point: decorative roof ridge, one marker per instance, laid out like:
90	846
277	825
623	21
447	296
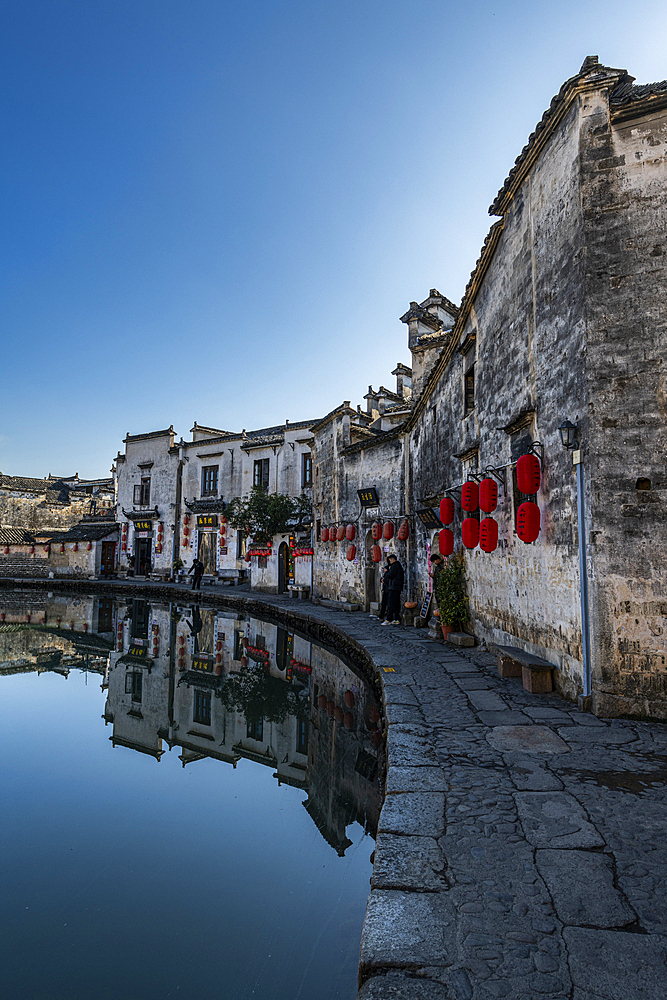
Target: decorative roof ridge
591	76
483	261
168	432
341	410
379	437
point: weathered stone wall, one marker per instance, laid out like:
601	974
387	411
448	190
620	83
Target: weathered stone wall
526	330
341	470
623	194
32	513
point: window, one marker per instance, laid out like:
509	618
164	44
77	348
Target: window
209	480
306	471
255	730
469	389
238	644
302	736
202	708
262	562
142	492
133	684
261	473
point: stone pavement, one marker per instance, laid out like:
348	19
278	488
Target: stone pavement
522	845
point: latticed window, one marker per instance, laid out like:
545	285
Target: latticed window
202	708
142	492
306	471
209	481
261	473
469	390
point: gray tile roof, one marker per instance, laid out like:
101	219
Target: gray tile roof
16	536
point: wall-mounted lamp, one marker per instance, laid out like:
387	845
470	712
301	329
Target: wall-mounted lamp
568	435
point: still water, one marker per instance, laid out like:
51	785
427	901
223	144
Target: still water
188	804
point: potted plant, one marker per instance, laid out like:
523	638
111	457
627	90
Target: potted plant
451	594
178	568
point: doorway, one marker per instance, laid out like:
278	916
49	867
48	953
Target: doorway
108	560
283	567
371	576
142	556
206	551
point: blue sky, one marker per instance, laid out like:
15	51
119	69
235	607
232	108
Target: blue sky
217	211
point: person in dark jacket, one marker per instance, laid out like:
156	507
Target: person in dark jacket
394	584
198	569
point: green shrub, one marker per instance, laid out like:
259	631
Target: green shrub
451	592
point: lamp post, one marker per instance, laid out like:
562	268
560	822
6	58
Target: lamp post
568	432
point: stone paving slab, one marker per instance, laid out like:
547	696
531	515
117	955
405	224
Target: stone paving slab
413	813
582	887
415	779
395	986
411	863
614	965
555	819
406	929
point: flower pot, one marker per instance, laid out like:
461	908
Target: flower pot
446	629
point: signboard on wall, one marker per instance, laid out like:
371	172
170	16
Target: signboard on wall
429	518
203	665
368	497
205	521
142	528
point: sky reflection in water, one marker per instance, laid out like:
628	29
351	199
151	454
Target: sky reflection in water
125	876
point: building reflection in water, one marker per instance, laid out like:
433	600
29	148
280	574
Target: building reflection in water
209	683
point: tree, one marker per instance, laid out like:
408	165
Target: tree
264	515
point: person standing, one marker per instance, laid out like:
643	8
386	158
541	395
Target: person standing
394	584
198	569
384	592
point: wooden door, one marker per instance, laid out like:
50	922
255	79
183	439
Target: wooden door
108	561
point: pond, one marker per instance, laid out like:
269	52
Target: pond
189	803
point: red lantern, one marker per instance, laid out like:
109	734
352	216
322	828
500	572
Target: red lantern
447	510
340	532
376	531
218	645
332	533
446	541
186	519
376	553
322	701
488	534
338	713
528	521
218	657
469	496
6	550
186	531
90	545
32	548
488	495
324	535
330	708
348	698
350	532
470	532
528	474
376	738
404	530
351	552
388	530
247	557
348	720
244	661
62	547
